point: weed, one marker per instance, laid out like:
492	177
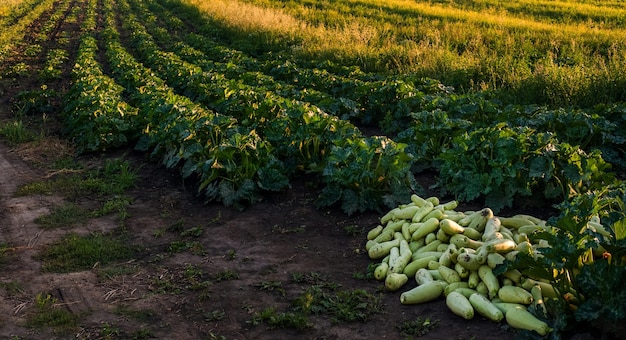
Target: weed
231	255
226	275
193	231
117	203
16	132
75	253
416	327
368	274
35	188
281	320
282	230
272	286
159	232
215	315
109	272
353	230
339	305
194	247
49	314
12	288
66	215
109	332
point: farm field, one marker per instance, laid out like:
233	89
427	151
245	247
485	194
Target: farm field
217	170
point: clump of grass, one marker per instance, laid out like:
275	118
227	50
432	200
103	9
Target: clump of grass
75	253
16	132
48	313
275	319
66	215
416	327
142	315
115	177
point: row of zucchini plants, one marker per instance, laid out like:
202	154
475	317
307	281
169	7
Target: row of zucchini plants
480	147
96	117
258	143
13	26
527	151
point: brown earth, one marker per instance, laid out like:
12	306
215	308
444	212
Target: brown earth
265	245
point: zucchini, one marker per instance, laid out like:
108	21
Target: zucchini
372	234
425	228
442	236
449	275
470	261
450	227
462	241
520	318
472	233
422	212
380	273
486	308
460	305
466	291
395	281
422	276
514	294
490	280
418	201
495	259
473	279
423	293
491	227
413	266
500	245
451	287
406	213
381	250
516	222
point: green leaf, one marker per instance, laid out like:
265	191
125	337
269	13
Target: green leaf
619	228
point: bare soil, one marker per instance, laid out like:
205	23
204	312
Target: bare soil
270	242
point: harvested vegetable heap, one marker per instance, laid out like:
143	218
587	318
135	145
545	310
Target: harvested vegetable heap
453	254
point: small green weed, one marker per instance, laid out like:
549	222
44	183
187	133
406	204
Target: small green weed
215	315
16	132
75	253
66	215
339	305
353	230
194	247
416	327
12	288
110	272
275	320
142	315
49	314
193	231
272	286
109	332
226	275
116	204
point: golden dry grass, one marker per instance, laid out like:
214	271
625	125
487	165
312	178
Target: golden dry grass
7	5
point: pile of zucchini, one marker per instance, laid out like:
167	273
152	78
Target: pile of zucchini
452	254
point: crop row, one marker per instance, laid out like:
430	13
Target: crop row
13	27
443	126
297	131
249	125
